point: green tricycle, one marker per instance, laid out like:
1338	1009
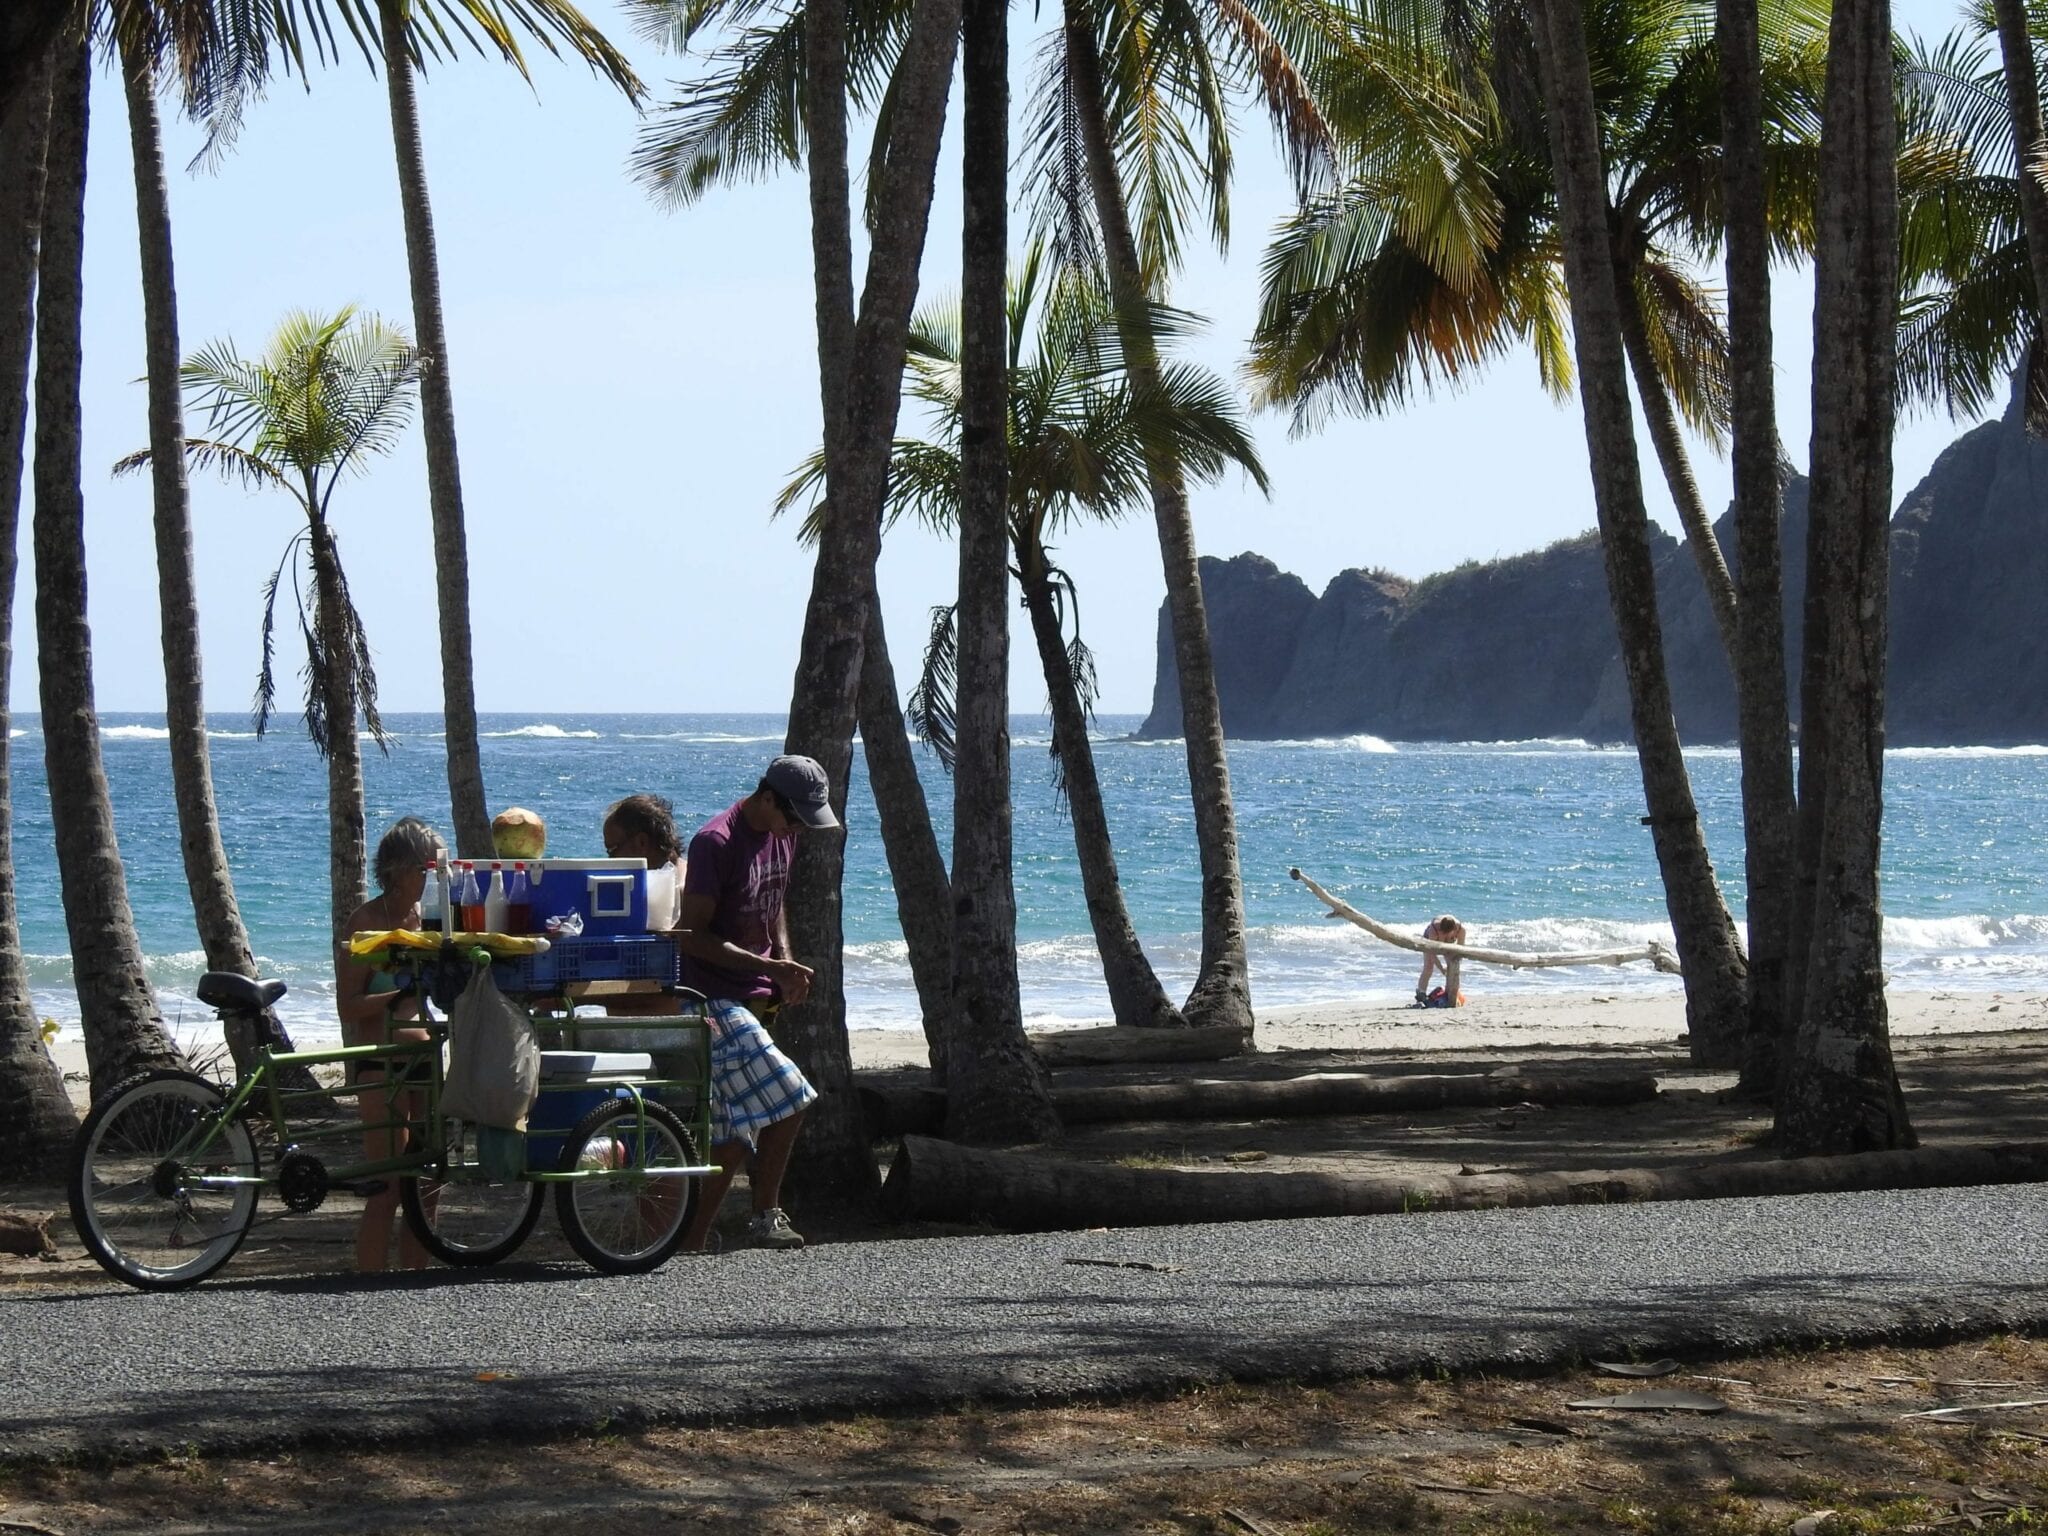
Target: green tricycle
167	1168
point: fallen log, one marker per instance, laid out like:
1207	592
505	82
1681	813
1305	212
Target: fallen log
1114	1044
900	1111
1030	1191
1659	957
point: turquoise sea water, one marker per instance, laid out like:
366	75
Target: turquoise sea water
1535	845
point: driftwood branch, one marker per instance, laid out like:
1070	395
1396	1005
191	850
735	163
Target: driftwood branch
898	1111
1657	954
1032	1191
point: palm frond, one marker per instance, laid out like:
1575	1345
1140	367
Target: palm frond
932	712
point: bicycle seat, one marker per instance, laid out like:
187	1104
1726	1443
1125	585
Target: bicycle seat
227	990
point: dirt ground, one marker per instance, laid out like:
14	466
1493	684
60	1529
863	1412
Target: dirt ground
1960	1088
1820	1444
1799	1434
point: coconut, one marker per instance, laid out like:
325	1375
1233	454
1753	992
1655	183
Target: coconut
518	833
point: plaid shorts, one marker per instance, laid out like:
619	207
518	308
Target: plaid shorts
753	1084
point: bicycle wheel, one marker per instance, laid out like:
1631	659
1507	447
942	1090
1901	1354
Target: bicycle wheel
625	1220
463	1216
136	1195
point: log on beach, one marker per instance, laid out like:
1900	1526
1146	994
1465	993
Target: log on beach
1031	1191
898	1111
1115	1045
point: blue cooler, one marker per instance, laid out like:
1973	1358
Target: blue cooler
610	894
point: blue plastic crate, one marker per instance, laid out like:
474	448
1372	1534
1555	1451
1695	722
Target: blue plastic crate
605	957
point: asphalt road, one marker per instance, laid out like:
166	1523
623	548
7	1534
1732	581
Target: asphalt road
257	1365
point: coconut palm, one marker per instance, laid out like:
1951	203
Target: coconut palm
124	1032
995	1085
1841	1088
138	37
1354	315
1131	141
2023	109
860	368
746	116
36	1118
411	32
329	393
1079	438
1715	983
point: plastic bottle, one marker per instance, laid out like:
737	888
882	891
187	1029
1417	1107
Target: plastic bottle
518	902
471	896
430	899
495	902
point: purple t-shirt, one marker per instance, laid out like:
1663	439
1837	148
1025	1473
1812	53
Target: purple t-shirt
745	873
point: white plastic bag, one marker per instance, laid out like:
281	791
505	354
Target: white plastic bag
493	1058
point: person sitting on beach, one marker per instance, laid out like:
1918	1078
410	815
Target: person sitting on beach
371	1008
735	945
1443	930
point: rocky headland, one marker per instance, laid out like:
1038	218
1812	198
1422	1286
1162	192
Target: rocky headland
1524	647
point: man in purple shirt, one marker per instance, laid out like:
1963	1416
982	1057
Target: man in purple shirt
735	947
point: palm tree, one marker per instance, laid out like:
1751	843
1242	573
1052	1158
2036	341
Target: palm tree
860	371
1355	313
1769	805
1841	1088
746	117
36	1118
411	32
1079	438
1716	1001
329	393
124	1033
2023	104
222	935
995	1085
1132	128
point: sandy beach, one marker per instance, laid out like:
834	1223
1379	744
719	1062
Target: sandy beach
1487	1021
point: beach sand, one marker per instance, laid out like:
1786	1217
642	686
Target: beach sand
1488	1021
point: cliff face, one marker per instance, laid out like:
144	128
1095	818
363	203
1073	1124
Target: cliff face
1524	647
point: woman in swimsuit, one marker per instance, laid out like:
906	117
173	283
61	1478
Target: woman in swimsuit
371	1007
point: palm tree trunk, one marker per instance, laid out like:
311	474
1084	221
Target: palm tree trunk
995	1087
1135	996
346	856
1705	934
1222	990
917	869
860	366
36	1118
472	818
1841	1089
124	1033
1769	814
221	934
27	28
2023	100
1672	458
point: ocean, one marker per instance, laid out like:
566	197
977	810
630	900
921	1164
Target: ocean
1535	845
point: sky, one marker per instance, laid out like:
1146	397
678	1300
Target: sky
633	385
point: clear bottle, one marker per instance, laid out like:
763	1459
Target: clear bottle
494	901
518	902
471	896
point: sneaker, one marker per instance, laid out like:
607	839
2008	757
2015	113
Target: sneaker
771	1229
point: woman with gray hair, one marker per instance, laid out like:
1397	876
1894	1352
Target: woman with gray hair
372	1009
